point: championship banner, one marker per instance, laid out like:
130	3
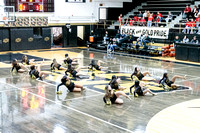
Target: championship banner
153	32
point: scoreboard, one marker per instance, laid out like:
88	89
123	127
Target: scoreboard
30	6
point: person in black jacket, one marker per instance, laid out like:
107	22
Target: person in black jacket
170	83
139	90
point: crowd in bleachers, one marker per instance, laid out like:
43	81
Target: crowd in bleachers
145	19
151	19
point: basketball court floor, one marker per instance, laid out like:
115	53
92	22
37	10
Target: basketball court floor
29	105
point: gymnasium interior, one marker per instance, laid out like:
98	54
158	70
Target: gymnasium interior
108	42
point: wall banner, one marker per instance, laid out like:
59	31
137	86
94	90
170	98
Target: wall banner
153	32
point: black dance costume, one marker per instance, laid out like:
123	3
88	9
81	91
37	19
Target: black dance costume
139	75
70	85
16	67
53	66
112	99
167	81
34	73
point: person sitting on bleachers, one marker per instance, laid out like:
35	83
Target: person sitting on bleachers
196	14
198	23
150	20
194	11
142	22
160	16
140	39
106	38
146	39
110	45
136	19
185	39
187	11
131	22
140	15
187	27
192	26
176	40
127	21
123	35
158	20
169	18
194	40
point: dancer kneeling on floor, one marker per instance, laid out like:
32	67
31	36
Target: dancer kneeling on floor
139	90
114	83
20	68
72	61
74	72
141	76
97	65
70	85
55	64
165	80
37	73
113	97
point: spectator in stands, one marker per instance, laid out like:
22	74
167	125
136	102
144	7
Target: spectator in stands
150	19
169	18
142	22
194	11
120	19
140	15
187	11
158	19
192	26
187	27
118	36
146	39
106	37
176	40
140	39
123	35
145	15
198	23
131	22
185	39
196	14
194	40
110	45
127	21
199	8
160	16
136	19
148	14
130	37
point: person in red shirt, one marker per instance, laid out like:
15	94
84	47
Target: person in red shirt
150	19
197	23
160	16
136	19
131	22
120	19
142	21
187	27
187	11
192	26
158	20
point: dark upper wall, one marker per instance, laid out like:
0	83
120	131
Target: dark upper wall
113	13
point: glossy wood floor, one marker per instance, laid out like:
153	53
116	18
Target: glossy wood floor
28	105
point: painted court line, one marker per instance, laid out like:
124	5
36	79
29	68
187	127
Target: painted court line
78	111
82	97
